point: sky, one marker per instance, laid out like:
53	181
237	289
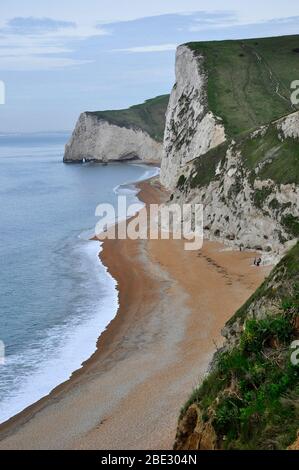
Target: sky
61	57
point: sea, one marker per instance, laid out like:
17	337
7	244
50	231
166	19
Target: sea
56	297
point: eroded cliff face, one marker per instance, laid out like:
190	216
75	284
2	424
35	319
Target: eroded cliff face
244	170
194	432
98	140
242	208
249	199
191	128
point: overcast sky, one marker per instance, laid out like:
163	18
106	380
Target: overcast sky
61	57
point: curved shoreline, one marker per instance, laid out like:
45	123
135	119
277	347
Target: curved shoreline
99	319
113	329
36	405
146	363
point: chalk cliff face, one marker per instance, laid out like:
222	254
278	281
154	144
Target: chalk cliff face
95	139
249	196
244	170
243	206
117	135
191	128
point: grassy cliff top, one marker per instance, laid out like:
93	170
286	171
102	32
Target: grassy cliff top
148	116
249	80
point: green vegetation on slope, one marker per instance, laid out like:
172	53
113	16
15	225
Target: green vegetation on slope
266	156
249	80
148	116
205	166
278	159
260	196
291	224
251	397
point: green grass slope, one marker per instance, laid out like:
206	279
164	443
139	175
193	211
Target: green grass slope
265	154
249	80
278	159
148	116
251	397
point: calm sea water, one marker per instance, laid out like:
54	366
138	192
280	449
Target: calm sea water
56	297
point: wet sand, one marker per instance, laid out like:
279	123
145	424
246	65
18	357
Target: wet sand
173	304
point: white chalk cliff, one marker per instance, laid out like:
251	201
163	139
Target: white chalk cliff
247	201
241	207
98	140
191	128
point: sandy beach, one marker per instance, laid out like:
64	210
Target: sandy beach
173	305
